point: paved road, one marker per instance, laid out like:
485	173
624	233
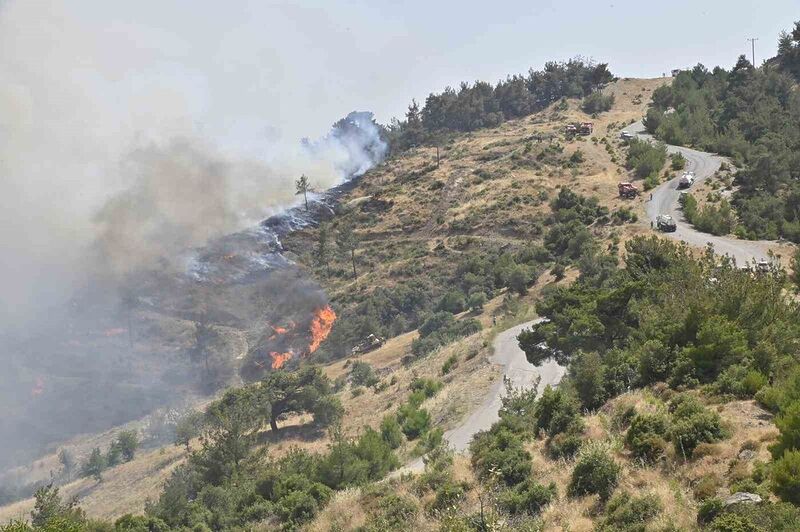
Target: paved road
665	201
516	367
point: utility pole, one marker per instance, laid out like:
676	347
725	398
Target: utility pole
753	46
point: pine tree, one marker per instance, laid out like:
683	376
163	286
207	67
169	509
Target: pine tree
302	186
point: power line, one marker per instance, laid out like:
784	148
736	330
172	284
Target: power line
753	45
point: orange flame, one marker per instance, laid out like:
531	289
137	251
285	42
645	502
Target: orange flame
279	359
116	331
38	388
321	326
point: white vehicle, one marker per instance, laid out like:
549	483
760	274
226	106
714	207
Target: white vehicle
626	135
686	180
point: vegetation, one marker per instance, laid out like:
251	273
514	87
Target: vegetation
752	115
646	160
717	220
481	105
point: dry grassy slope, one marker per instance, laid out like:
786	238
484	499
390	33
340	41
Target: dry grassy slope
500	208
672	482
487	188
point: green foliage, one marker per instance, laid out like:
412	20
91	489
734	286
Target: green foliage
528	497
449	364
751	115
646	436
730	522
362	374
677	161
94	466
645	159
305	390
500	452
597	102
555	411
391	432
479	105
595	473
476	301
428	387
786	476
693	424
714	219
626	513
788	422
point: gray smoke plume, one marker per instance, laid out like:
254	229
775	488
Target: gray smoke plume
108	168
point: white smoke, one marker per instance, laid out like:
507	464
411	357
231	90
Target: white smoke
104	145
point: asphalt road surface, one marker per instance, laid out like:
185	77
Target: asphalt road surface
665	201
516	367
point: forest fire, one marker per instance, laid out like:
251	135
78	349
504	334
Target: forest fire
279	359
321	326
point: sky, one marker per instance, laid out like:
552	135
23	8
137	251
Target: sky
246	70
85	82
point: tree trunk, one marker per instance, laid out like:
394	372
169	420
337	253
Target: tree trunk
273	424
353	258
305	197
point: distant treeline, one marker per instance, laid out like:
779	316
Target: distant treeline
481	104
753	116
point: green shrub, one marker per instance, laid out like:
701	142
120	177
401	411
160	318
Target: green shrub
597	102
624	512
693	424
677	161
528	497
645	436
502	452
448	494
594	473
786	476
788	422
730	522
709	510
391	432
555	411
646	159
707	487
566	444
449	364
413	421
428	387
362	374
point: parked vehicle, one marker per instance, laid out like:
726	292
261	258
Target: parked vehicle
686	180
369	343
627	190
625	135
665	223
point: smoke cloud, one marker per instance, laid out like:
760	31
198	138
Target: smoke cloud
113	153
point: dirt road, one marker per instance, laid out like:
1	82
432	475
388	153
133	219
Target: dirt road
516	367
665	201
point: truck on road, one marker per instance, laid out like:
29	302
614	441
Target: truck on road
627	190
686	180
665	223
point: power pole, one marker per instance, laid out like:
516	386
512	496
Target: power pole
753	46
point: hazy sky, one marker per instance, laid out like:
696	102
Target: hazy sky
246	68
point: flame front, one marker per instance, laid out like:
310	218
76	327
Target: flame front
279	359
321	326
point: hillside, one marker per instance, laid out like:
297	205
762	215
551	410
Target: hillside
511	221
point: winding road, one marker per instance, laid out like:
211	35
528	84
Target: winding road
522	374
665	201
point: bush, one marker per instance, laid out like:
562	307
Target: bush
391	432
528	497
413	421
694	424
645	436
428	387
646	159
555	411
476	301
788	422
730	522
625	512
594	473
500	450
597	102
449	364
677	161
786	477
707	487
362	374
566	444
709	510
